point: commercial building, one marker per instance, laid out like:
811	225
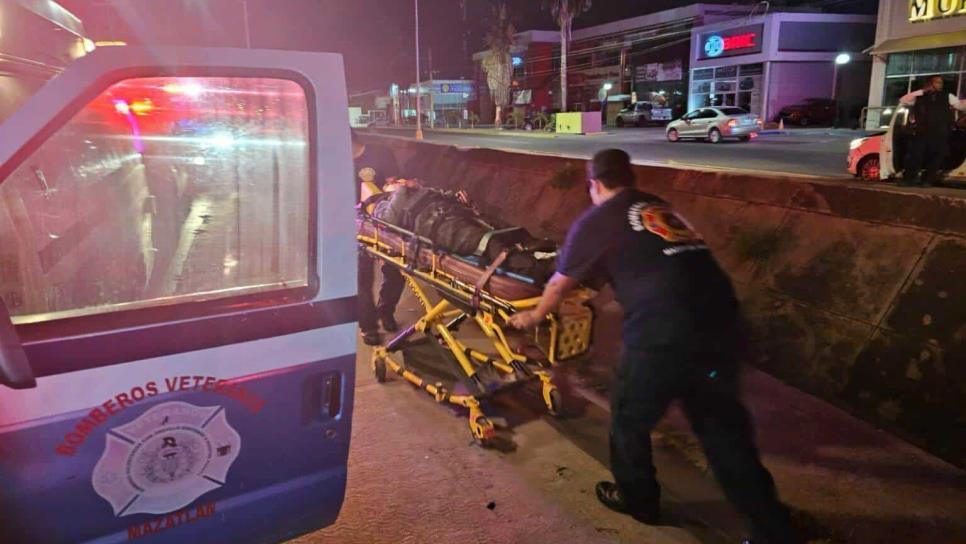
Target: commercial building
765	63
914	39
443	101
647	56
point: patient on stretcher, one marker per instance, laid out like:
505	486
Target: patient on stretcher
457	228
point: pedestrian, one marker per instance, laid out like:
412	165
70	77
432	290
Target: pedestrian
374	166
680	338
931	119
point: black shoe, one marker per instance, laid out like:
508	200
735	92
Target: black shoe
371	338
609	494
389	324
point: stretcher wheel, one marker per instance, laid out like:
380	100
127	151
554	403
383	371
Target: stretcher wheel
555	404
483	431
380	369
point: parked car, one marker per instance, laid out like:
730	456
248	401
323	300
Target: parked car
714	125
643	113
865	157
880	157
812	111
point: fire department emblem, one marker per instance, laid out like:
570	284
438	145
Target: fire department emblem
165	459
662	221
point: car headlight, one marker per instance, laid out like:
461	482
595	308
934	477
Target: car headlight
856	143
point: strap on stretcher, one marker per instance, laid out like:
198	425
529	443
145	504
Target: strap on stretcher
485	241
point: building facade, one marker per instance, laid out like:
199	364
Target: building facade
646	56
914	39
765	63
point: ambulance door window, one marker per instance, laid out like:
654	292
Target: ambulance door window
161	191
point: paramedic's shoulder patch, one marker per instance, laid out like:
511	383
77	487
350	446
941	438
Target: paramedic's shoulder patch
661	220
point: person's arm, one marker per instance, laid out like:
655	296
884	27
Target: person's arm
578	258
910	98
553	294
956	103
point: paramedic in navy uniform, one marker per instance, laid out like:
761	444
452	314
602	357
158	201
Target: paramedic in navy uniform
375	164
680	337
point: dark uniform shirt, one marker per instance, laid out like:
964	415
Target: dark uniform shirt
375	165
670	287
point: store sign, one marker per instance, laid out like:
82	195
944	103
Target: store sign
927	10
745	40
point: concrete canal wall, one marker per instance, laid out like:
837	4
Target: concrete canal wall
856	294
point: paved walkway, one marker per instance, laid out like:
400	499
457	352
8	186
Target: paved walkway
415	477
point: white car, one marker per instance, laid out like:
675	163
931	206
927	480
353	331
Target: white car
865	157
643	113
880	157
714	125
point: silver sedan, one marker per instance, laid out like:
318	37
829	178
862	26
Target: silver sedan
715	124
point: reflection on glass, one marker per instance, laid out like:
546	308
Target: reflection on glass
160	190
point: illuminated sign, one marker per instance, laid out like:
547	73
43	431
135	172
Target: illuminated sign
516	61
715	45
927	10
744	40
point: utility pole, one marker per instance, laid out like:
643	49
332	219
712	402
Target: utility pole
432	100
419	108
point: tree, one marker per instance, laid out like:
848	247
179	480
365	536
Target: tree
497	63
564	12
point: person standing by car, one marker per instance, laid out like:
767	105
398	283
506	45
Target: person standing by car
931	122
680	338
374	166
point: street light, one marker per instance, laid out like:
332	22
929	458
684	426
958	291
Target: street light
840	60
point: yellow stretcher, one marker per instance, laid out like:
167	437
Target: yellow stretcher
467	294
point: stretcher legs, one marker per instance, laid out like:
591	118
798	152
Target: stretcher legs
439	323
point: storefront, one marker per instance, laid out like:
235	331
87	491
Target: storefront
444	102
915	39
765	63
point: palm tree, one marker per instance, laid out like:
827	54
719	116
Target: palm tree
564	12
498	64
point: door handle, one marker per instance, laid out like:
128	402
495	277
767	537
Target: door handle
15	371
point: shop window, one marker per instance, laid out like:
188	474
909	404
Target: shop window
899	64
752	69
726	72
744	101
936	61
703	74
895	87
701	87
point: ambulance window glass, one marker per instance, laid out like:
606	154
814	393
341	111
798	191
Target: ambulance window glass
160	191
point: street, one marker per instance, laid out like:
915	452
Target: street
814	152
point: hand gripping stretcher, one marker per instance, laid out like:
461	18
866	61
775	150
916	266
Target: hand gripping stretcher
485	296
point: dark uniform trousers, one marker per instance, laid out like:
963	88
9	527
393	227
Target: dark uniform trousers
704	377
389	293
926	152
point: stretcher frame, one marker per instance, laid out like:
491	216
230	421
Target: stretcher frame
462	302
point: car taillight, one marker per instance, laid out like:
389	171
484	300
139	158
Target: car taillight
732	123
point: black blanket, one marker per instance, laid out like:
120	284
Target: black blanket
459	229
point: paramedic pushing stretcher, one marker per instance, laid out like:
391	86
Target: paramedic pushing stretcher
680	335
373	166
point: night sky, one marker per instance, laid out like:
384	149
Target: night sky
376	36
